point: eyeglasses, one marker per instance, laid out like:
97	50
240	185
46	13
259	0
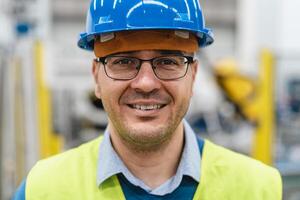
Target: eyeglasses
170	67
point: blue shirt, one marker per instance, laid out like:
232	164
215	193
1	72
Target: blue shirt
110	164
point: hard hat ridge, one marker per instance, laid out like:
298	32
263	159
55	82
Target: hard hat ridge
113	16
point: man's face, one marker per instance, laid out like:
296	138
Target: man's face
145	111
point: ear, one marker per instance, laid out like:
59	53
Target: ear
95	71
194	68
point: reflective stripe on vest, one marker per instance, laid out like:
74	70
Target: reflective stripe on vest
224	175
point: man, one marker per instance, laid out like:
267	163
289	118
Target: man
144	73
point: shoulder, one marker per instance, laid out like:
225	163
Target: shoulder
225	157
67	166
85	151
222	157
70	175
239	169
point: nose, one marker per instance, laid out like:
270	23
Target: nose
146	81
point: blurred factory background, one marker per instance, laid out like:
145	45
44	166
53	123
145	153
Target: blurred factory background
247	93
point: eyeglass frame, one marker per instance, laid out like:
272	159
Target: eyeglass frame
190	60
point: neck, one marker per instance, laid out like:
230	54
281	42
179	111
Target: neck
152	167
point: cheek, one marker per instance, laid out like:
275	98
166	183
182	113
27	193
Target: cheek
187	87
110	91
109	100
181	92
103	85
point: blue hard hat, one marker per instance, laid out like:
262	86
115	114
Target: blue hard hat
105	16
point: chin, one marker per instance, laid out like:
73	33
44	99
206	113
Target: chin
148	136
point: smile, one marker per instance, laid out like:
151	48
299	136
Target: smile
147	107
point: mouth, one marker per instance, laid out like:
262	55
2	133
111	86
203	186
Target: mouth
148	107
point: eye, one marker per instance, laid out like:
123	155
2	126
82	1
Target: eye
124	61
165	61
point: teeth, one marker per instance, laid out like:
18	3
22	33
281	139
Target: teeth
146	107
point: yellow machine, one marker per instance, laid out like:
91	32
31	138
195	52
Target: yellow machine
253	99
239	89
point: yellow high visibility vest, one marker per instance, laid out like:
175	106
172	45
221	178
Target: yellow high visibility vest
225	175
